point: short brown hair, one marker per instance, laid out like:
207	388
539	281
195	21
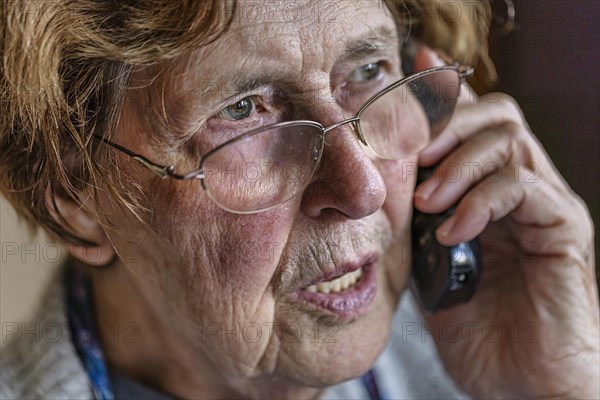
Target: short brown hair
66	67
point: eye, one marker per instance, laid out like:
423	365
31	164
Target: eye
238	111
364	73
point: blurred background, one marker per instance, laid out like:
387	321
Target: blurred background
550	62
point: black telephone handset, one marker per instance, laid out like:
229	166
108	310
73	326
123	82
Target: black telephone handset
443	276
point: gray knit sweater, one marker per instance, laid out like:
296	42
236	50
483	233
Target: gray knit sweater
40	362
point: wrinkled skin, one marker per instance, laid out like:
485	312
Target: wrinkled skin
206	267
200	282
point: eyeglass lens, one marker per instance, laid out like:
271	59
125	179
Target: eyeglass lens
264	169
404	120
268	168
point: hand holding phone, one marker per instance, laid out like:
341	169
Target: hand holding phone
541	289
443	276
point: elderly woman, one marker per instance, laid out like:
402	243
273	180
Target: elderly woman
235	184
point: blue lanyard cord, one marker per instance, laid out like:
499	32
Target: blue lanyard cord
371	385
82	323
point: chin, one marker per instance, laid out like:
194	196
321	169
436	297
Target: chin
332	350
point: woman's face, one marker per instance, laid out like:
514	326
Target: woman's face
238	290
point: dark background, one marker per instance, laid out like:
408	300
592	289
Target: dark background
550	63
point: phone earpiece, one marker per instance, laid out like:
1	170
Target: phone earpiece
442	276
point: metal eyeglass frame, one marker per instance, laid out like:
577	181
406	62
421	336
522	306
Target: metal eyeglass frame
168	171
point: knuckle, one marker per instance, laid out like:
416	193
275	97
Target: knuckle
511	108
507	103
579	227
505	108
513	130
521	145
478	198
582	215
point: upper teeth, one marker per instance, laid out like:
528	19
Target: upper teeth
337	285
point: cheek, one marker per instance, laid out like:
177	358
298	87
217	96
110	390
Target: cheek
399	177
215	253
221	267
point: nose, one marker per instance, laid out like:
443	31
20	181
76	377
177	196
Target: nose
347	182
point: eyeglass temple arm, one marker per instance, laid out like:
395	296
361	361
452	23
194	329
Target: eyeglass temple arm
168	171
465	72
161	171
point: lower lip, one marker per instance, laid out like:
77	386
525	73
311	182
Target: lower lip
348	304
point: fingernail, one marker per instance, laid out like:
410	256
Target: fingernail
446	227
426	189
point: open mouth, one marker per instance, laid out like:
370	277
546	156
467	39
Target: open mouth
347	296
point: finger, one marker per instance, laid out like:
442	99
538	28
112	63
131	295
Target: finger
484	156
468	120
529	204
427	58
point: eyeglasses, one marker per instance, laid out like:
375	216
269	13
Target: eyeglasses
268	166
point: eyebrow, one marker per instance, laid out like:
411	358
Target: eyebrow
379	41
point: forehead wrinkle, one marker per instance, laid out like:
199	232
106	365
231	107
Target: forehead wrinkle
261	57
379	41
280	53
